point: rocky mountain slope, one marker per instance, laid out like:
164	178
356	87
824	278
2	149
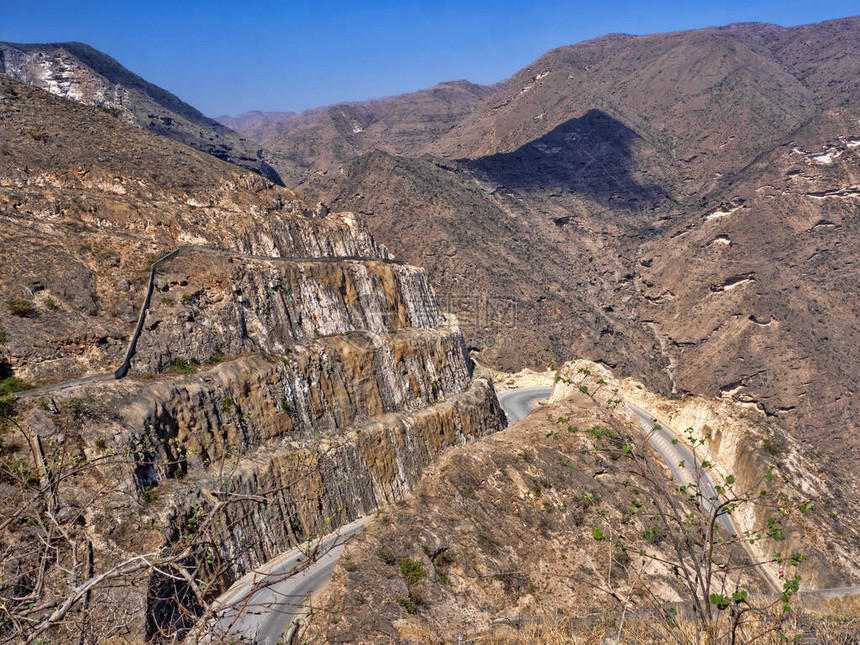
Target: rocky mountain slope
518	278
248	120
323	139
679	206
285	362
78	72
500	535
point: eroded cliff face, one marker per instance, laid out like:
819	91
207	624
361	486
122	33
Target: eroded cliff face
289	372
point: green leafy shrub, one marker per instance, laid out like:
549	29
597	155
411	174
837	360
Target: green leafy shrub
21	308
181	366
413	571
148	496
586	499
653	534
228	405
7	406
13	384
408	603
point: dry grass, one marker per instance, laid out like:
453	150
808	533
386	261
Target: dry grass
820	630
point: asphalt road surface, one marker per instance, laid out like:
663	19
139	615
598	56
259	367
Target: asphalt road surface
674	454
260	613
518	403
260	606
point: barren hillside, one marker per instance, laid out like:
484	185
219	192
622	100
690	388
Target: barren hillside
682	207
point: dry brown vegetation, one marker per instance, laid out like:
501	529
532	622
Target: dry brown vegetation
821	630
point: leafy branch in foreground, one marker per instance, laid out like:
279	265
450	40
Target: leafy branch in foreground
86	556
694	516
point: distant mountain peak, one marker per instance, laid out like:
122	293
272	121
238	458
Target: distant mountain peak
81	73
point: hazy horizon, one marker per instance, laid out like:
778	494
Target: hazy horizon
288	57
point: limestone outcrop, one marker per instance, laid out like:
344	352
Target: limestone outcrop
289	372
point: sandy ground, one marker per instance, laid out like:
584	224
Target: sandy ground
524	378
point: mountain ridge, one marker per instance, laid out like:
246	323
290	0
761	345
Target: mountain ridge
82	73
747	134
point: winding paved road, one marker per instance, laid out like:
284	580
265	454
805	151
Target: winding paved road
260	606
517	404
672	454
677	453
674	451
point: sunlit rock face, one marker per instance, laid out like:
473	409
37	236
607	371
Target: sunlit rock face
284	357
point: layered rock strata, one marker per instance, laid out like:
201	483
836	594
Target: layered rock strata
286	363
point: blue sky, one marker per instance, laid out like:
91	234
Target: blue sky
228	57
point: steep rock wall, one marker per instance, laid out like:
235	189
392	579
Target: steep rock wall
222	305
312	488
310	389
327	386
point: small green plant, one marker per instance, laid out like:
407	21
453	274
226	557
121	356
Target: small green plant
186	299
181	366
586	499
412	570
7	406
100	443
652	534
4	337
21	308
285	405
13	384
166	300
148	496
228	405
408	603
